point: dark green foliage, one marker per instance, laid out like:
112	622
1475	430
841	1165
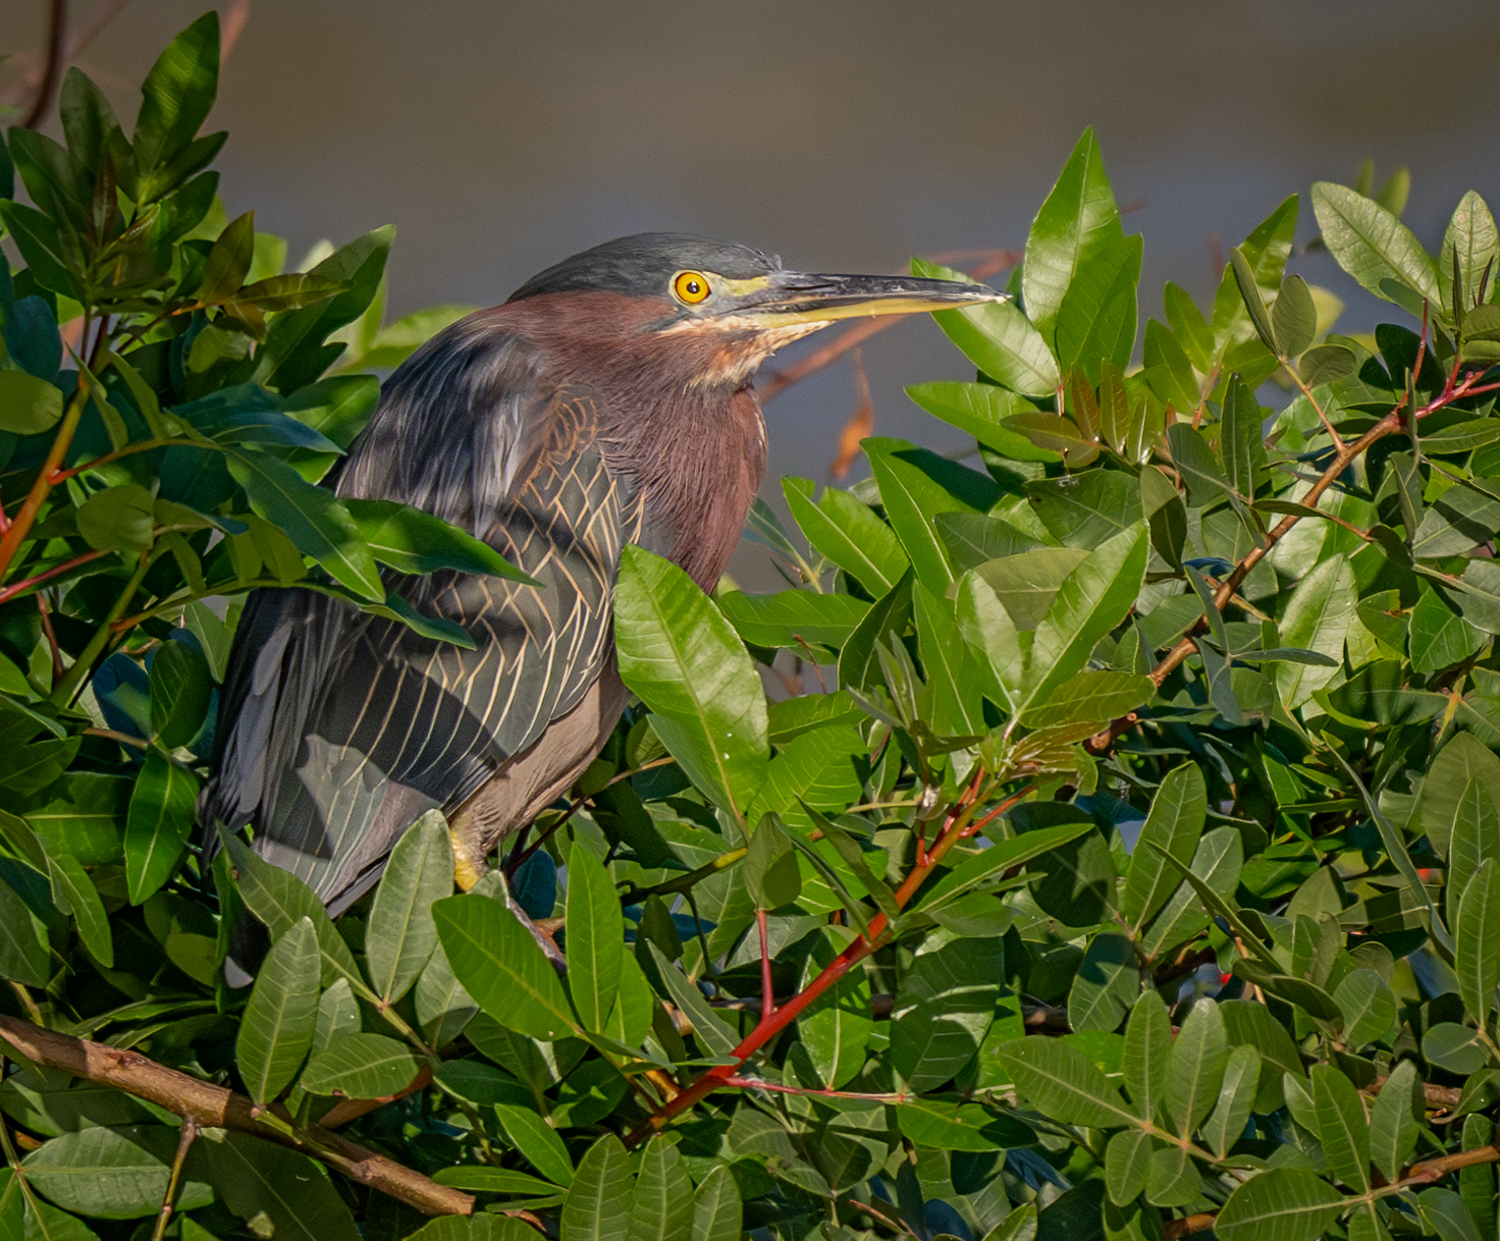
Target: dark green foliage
1141	864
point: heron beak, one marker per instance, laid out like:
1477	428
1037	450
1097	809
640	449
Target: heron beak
786	299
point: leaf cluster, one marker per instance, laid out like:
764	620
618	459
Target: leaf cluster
1125	863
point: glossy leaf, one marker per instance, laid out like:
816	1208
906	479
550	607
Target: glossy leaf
538	1141
1374	247
998	339
158	823
594	1209
678	652
401	934
361	1066
500	965
276	1030
595	945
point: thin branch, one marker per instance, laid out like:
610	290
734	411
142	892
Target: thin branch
57	30
210	1106
185	1138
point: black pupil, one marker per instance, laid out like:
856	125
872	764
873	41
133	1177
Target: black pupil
694	288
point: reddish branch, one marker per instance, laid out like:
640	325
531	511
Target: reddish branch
210	1106
877	935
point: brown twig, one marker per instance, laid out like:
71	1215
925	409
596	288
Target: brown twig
57	30
210	1106
861	424
1201	1222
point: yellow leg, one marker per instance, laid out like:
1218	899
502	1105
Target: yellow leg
466	872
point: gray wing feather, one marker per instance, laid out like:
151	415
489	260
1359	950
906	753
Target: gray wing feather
338	729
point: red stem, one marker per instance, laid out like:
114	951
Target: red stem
767	991
15	588
772	1024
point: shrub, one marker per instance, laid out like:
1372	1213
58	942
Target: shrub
1125	866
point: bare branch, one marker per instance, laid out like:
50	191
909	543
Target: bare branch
210	1106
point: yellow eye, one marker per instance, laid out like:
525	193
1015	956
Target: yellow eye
690	286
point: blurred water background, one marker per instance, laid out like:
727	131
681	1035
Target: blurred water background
841	134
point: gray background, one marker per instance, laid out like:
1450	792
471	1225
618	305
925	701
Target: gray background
842	134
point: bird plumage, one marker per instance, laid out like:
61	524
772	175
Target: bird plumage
604	403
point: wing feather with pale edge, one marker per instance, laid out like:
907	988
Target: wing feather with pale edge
337	728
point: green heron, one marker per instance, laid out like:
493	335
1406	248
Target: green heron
607	402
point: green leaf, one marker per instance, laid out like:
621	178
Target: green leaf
1028	582
771	874
917	484
1374	247
681	656
82	898
1098	317
401	933
1317	618
177	95
411	541
594	1209
28	405
119	518
181	690
1106	984
111	1173
1463	758
1342	1127
943	1008
1472	244
1082	510
1242	442
278	899
1476	936
1249	288
997	338
1174	825
991	635
981	410
1284	1204
487	1180
662	1209
1199	1055
959	1126
1064	1084
990	864
1169	371
1126	1160
849	534
1095	598
1147	1054
362	1066
538	1141
282	1189
228	263
1368	1005
1294	318
312	517
1078	221
276	1030
1090	697
1439	636
1394	1125
715	1037
1171	1178
500	965
718	1213
1226	1123
595	940
24	952
158	823
793	618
